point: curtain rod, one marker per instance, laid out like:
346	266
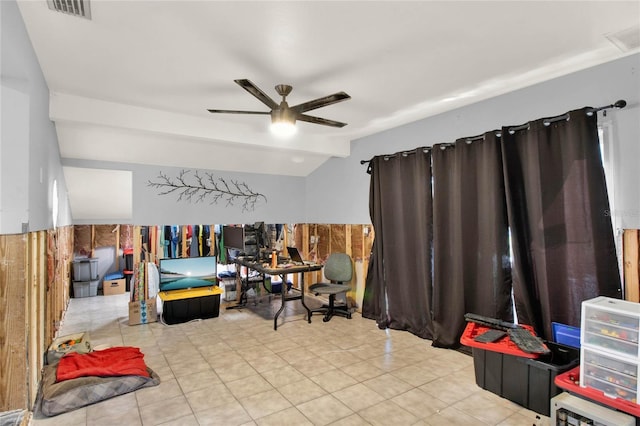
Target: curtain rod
403	153
590	111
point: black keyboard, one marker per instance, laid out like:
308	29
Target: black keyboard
527	342
522	337
490	322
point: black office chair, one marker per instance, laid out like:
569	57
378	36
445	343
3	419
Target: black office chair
339	270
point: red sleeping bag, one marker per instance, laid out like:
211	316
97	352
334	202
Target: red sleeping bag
118	361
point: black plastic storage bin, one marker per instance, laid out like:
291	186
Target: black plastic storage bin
525	381
183	310
128	276
128	259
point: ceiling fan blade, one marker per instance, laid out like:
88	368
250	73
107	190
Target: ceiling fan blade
255	91
228	111
321	102
318	120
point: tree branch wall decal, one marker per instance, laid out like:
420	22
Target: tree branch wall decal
195	187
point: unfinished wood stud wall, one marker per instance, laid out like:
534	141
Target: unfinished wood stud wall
87	238
13	366
59	257
317	241
34	292
631	259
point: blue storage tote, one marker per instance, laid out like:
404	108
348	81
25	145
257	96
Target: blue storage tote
566	334
114	276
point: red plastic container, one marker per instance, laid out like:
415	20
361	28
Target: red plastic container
569	381
504	345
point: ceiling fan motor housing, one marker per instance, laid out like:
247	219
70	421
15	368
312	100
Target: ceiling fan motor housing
283	114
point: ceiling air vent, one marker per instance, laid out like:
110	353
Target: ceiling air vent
627	39
71	7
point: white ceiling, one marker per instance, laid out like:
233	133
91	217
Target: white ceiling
133	83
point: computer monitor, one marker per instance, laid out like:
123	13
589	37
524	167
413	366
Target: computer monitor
233	237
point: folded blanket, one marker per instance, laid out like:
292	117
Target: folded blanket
118	361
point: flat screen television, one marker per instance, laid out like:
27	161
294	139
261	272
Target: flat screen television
188	272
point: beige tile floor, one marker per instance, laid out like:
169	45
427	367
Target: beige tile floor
236	370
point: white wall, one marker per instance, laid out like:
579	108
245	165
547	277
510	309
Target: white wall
29	153
284	202
14	164
339	190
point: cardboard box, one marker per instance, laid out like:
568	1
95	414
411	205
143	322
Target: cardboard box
110	287
63	345
143	312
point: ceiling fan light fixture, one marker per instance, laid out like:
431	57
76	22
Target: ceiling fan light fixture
283	129
283	122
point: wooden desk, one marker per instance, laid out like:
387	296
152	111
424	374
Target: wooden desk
282	271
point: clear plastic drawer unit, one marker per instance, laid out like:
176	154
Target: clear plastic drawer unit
609	344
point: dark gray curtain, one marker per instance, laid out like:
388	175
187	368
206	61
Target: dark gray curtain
557	203
398	284
472	270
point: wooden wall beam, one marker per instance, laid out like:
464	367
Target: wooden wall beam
183	238
137	244
93	241
631	258
36	309
116	261
153	243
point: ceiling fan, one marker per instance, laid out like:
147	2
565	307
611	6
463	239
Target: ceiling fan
284	115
